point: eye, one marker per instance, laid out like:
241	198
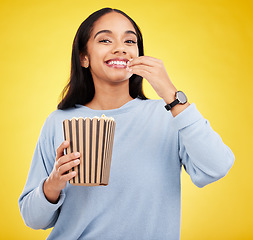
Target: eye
105	41
130	41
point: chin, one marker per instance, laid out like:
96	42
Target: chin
122	78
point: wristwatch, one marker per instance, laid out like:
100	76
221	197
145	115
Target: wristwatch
180	99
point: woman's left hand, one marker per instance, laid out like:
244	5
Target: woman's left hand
154	72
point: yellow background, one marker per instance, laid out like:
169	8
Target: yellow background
206	47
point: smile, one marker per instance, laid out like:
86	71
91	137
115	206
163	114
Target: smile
117	63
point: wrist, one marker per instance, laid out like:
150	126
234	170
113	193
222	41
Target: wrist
50	193
169	96
176	104
179	108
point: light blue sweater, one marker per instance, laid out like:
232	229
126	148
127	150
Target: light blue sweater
143	198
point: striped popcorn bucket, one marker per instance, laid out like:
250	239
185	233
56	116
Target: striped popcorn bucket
93	138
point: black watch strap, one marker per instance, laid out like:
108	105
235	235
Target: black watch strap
171	105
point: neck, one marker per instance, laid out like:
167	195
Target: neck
110	96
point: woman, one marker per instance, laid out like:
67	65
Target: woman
151	143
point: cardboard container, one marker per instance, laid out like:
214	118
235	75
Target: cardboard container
93	138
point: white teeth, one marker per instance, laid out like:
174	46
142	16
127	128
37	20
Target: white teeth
117	63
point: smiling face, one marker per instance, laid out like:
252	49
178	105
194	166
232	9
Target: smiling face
113	42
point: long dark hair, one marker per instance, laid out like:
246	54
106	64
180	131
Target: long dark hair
80	88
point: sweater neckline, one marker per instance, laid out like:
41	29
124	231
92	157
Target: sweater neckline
124	108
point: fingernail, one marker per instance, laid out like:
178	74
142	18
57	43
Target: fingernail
77	161
77	154
129	62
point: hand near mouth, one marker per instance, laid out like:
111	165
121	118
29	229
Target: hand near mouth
154	72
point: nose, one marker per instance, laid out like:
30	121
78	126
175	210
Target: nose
119	48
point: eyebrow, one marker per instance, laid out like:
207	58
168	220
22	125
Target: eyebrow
109	31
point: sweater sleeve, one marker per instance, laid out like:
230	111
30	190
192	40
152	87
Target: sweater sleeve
37	212
201	150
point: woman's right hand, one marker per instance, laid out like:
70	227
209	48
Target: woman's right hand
59	177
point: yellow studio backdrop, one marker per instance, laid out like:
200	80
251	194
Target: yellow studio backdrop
206	47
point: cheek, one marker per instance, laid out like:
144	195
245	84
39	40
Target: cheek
95	58
135	52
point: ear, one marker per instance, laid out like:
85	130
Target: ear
84	60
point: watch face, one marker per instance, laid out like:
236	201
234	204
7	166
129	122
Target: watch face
181	97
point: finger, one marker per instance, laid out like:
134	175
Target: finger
143	71
67	158
67	166
146	68
60	149
144	60
68	176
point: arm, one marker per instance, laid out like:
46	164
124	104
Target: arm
37	212
202	152
44	194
